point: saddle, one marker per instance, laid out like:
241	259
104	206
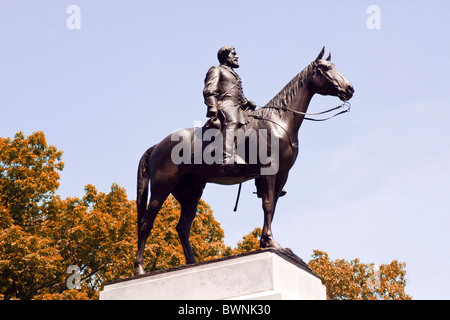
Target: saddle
215	122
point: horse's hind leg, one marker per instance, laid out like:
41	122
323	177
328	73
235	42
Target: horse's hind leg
188	194
145	224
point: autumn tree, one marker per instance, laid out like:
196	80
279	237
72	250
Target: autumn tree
28	180
249	243
360	281
96	234
41	235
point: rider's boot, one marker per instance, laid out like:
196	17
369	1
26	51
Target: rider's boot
232	162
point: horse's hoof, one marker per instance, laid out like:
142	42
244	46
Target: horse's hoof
139	271
269	242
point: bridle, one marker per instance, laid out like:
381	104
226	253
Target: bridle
345	105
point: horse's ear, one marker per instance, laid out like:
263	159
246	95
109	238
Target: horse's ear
320	56
329	57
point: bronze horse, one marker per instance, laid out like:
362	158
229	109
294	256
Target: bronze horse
280	118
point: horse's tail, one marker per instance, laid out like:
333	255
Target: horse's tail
143	178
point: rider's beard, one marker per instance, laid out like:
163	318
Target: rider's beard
233	63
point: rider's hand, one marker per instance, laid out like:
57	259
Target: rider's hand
211	113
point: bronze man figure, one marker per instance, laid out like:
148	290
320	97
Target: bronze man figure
225	100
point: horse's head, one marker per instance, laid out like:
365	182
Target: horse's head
327	80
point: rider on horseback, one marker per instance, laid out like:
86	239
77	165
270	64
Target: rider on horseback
225	100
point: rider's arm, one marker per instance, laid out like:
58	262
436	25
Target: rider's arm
210	92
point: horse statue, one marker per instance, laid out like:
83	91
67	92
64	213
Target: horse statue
280	119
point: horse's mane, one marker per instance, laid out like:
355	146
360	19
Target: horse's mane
285	96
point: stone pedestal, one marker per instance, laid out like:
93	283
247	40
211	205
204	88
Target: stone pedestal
265	274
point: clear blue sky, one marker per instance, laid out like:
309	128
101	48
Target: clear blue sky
372	184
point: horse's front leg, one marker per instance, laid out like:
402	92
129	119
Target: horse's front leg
269	200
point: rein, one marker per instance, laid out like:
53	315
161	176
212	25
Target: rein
346	105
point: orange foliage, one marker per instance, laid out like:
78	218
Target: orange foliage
359	281
41	235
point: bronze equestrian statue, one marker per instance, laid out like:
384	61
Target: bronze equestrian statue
274	127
